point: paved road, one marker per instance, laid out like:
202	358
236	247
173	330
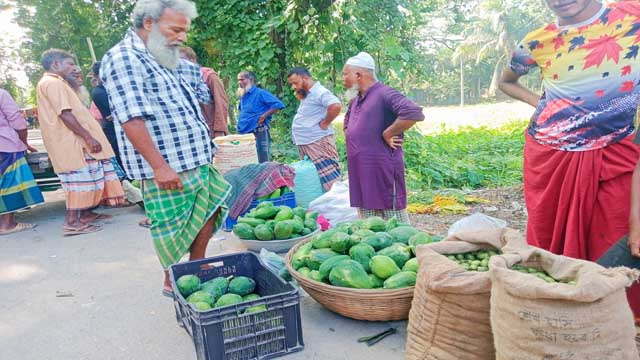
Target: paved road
97	296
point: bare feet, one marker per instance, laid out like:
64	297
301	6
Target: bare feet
18	227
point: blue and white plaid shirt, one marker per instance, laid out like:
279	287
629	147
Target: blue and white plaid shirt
139	87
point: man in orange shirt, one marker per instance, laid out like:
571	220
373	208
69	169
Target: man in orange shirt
78	149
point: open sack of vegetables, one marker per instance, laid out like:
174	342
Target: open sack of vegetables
547	306
449	317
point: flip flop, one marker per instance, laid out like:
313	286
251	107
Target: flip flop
145	223
87	229
99	217
18	228
167	293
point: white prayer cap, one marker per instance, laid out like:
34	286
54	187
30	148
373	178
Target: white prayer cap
363	60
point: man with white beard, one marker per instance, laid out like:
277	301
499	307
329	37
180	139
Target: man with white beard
164	137
376	119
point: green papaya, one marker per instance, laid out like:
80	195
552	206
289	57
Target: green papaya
284	190
403	233
266	213
228	299
312	215
328	264
216	287
311	224
275	194
400	280
305	231
241	285
411	265
300	212
244	231
200	296
255	309
375	224
315	275
379	241
399	252
283	230
285	213
262	198
263	232
383	267
344	227
376	282
250	221
420	238
264	204
250	297
304	271
391	224
349	273
362	253
298	224
299	257
339	242
202	306
188	284
271	224
323	240
317	257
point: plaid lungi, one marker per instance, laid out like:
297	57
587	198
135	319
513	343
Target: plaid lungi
325	157
18	188
93	185
400	215
177	216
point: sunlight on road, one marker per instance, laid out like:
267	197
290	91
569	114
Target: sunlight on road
18	273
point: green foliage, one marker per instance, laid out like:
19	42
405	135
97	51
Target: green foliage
468	158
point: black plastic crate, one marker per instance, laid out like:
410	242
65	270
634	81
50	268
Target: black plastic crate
227	334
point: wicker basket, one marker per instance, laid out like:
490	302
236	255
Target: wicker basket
359	304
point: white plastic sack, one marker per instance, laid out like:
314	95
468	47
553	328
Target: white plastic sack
335	205
476	222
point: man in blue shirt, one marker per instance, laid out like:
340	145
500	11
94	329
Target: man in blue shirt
256	107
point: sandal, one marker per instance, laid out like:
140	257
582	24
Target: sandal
99	217
145	223
87	229
18	228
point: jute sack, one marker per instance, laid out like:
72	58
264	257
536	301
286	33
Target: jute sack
235	151
533	319
449	317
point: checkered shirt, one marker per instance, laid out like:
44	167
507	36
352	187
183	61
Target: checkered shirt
139	87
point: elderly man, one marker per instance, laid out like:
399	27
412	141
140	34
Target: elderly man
215	111
579	153
374	125
18	189
311	128
164	138
256	107
77	147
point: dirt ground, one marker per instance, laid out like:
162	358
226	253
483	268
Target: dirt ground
506	203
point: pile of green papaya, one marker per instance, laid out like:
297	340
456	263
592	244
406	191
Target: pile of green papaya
269	222
541	274
275	194
363	254
219	292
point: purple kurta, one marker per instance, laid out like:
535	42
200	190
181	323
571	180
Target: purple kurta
376	172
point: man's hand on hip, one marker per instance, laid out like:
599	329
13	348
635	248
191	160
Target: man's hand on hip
167	178
634	243
393	141
93	145
261	120
324	124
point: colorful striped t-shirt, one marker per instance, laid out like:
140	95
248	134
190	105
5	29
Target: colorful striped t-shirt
591	74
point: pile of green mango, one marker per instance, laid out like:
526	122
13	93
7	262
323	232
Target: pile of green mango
475	260
219	292
363	254
541	274
269	222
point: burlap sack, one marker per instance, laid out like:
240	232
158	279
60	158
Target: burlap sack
533	319
235	151
449	317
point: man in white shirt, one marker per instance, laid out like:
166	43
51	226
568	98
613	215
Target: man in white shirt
311	128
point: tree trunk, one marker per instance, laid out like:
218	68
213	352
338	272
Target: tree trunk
461	81
497	72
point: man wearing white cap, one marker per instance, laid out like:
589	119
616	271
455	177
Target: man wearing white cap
374	125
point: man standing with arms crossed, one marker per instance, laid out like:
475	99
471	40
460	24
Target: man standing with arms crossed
165	140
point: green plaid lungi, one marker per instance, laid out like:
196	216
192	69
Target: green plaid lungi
177	216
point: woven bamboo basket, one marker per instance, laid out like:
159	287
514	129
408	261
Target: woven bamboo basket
359	304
